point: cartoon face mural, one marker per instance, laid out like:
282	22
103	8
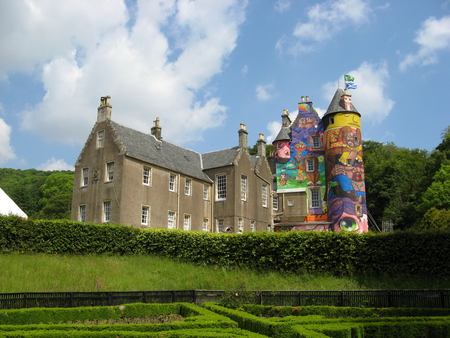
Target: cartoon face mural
346	195
282	151
347	102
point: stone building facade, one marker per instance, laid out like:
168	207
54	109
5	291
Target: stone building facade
124	176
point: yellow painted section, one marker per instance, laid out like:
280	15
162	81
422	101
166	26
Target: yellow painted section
346	119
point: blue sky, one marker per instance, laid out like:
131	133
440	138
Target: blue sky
203	67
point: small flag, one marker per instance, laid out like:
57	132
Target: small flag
349	78
350	85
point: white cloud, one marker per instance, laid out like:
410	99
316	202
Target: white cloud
433	36
6	151
54	164
282	6
274	128
370	99
244	70
324	21
156	68
265	92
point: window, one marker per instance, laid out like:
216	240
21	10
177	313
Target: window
187	187
187	222
100	138
269	228
331	120
220	225
264	195
290	203
205	224
221	187
315	198
315	142
107	211
206	192
171	220
172	183
145	215
252	226
310	165
146	172
275	202
109	171
240	225
82	214
85	179
243	187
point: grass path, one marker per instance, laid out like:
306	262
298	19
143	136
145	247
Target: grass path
52	273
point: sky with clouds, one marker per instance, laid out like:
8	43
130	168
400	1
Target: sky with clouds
203	67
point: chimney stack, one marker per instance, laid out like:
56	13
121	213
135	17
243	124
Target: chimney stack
156	129
285	119
104	110
261	146
243	136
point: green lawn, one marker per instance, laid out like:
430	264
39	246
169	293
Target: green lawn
53	273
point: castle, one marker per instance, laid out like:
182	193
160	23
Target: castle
315	180
319	169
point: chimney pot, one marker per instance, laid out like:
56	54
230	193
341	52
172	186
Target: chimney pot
104	110
156	129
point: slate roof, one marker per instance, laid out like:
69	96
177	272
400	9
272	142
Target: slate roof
219	158
336	105
284	134
162	153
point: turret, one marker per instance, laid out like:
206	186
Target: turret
346	191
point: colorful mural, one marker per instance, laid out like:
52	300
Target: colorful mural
304	170
346	190
323	159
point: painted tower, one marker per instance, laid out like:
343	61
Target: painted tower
346	190
319	169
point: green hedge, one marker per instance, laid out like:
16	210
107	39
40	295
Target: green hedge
404	252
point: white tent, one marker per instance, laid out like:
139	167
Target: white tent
8	207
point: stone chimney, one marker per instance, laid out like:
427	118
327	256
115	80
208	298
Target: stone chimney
285	119
156	129
104	110
261	146
243	136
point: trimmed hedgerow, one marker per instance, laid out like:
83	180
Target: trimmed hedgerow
404	252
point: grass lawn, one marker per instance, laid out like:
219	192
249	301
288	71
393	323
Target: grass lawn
53	273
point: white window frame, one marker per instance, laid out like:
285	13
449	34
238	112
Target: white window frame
85	177
253	226
100	138
275	202
109	171
244	187
205	192
146	175
220	225
315	200
82	213
315	140
171	220
240	224
145	215
264	194
205	224
107	207
188	187
187	222
221	187
172	182
310	165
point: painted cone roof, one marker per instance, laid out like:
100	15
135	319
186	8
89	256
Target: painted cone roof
336	105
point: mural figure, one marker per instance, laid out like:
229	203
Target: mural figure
325	152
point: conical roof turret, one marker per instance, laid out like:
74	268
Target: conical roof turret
339	105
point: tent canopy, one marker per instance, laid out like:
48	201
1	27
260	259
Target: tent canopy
8	207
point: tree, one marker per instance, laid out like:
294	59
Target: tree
395	180
438	193
435	219
56	196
